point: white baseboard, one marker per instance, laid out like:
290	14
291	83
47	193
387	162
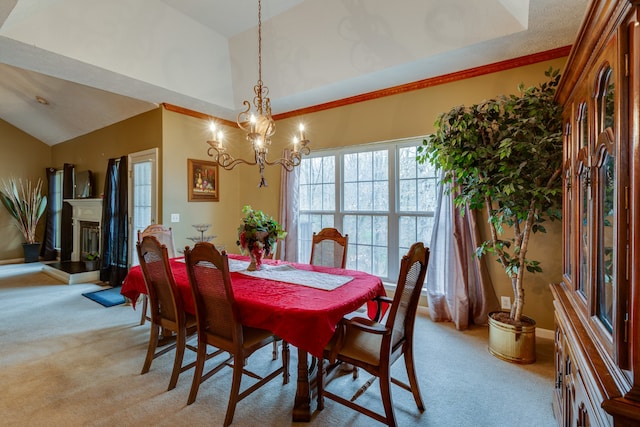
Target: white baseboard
12	261
72	279
540	333
546	334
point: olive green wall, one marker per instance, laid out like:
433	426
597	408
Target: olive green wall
26	157
93	150
184	138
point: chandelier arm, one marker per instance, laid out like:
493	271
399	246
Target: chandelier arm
232	163
225	160
286	162
244	117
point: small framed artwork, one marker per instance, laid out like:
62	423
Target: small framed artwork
202	181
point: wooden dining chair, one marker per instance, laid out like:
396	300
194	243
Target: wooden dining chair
165	237
374	346
219	325
166	306
329	248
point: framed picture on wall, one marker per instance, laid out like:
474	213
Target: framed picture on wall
202	181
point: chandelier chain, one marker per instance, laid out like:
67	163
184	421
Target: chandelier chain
259	42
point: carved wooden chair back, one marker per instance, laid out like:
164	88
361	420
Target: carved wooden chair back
329	248
165	303
164	235
219	325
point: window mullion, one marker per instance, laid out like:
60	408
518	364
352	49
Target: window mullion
339	214
394	232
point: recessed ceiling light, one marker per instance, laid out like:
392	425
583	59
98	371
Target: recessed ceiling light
42	100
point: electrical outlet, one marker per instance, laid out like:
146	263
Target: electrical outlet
175	217
506	303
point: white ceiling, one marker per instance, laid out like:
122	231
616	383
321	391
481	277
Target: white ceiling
99	62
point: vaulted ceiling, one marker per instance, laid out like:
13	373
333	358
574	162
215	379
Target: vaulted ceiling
68	67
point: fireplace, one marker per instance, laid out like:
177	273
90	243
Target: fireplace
86	217
89	238
86	220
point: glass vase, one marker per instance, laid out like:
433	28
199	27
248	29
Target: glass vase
256	260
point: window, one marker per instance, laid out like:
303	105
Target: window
378	194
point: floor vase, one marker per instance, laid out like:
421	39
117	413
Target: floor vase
513	343
31	251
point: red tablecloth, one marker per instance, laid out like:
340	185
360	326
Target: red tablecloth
303	316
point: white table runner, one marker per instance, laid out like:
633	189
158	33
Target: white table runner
289	274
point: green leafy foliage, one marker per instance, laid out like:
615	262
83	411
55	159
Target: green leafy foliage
25	203
505	155
257	228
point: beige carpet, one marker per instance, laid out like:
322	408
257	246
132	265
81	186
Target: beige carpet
67	361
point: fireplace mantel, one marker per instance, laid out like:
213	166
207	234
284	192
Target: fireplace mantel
86	209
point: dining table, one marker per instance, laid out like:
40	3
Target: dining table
300	303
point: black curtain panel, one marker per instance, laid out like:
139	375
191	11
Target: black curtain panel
48	250
66	222
115	228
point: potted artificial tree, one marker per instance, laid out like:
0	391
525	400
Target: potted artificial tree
505	155
26	204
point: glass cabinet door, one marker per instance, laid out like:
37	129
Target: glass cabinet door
568	223
605	202
583	194
583	180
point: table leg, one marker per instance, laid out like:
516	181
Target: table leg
302	405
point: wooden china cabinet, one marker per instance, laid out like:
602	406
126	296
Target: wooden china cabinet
597	335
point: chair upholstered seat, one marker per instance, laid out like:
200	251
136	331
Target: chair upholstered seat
254	338
362	346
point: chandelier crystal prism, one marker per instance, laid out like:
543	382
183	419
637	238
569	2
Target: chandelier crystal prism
259	127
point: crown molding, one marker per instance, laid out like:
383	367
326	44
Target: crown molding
495	67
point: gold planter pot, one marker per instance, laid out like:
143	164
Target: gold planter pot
513	343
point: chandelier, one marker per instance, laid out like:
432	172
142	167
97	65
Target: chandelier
259	127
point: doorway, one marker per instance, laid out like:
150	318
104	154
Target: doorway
143	195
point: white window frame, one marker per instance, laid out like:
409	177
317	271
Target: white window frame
393	213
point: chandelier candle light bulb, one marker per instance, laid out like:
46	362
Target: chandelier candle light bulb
216	137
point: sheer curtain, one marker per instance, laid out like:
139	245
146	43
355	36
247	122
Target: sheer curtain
289	204
115	228
459	287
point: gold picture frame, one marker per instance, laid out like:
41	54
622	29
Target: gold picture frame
202	181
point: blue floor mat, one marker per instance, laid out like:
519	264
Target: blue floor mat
106	297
